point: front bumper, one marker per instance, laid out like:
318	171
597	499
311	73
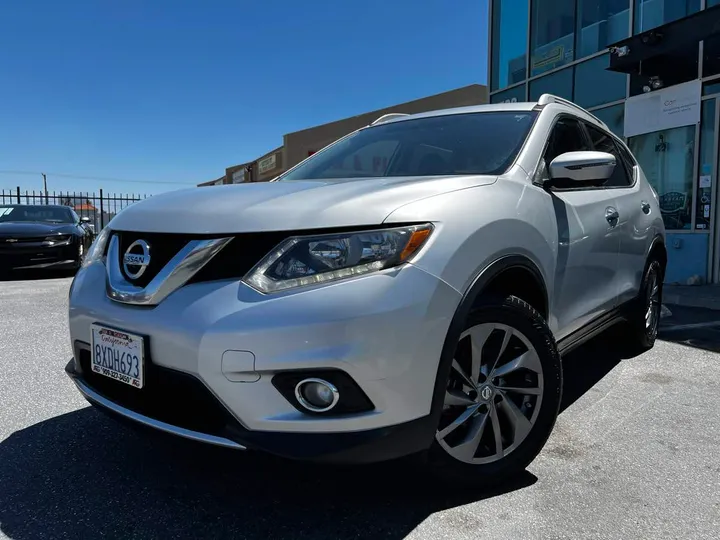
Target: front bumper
357	447
385	331
39	257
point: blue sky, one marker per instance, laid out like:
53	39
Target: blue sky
176	90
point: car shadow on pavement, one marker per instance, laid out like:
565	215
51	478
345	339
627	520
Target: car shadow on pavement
589	364
82	475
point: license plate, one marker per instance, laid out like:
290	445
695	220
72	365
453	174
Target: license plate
118	355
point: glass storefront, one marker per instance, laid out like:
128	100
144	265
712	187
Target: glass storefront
595	85
614	118
567	56
601	23
511	95
666	158
650	14
552	35
509	35
559	83
704	202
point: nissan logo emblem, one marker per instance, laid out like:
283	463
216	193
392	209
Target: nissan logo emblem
136	259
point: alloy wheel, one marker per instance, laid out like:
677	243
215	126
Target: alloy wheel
653	307
493	395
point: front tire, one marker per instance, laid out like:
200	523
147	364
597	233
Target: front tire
502	395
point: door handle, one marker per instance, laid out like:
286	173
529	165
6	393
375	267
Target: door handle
612	215
645	206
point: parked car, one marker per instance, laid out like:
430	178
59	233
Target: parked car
42	237
355	313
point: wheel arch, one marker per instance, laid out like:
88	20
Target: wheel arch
496	278
658	251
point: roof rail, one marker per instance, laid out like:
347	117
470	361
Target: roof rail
386	117
546	99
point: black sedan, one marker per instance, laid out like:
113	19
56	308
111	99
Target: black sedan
42	237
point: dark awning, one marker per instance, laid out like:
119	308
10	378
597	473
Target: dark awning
627	55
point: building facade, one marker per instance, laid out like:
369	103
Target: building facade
650	69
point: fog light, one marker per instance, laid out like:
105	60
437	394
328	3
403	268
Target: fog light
316	395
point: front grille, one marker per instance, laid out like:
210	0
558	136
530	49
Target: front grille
170	396
239	256
13	241
163	247
235	260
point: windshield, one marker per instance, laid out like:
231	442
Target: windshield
456	144
49	214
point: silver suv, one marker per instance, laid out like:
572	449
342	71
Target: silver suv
409	289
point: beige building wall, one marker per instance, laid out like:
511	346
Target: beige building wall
300	144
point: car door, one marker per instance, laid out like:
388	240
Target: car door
585	285
635	217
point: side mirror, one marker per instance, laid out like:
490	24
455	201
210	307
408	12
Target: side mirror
84	219
592	168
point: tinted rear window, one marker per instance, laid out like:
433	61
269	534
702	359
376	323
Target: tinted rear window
457	144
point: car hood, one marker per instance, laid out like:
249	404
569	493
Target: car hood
33	228
283	206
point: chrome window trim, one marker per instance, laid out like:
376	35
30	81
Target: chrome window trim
178	271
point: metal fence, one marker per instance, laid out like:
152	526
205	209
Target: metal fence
99	207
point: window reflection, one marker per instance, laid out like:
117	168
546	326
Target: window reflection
614	118
653	13
559	83
601	23
552	35
666	158
595	85
511	95
509	34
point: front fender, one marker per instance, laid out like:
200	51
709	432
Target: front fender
475	227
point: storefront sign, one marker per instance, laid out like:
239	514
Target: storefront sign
668	108
671	202
552	55
267	164
238	177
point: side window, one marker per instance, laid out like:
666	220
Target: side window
603	142
566	136
629	160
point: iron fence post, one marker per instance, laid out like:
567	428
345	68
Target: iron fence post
18	194
102	211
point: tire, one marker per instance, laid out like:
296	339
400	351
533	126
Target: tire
644	318
515	325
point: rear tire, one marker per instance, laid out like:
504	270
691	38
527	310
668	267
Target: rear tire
644	318
502	395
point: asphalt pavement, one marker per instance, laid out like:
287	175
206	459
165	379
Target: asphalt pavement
633	455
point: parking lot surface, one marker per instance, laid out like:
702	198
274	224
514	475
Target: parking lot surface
634	455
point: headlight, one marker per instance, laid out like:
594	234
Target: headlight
58	240
97	248
308	260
